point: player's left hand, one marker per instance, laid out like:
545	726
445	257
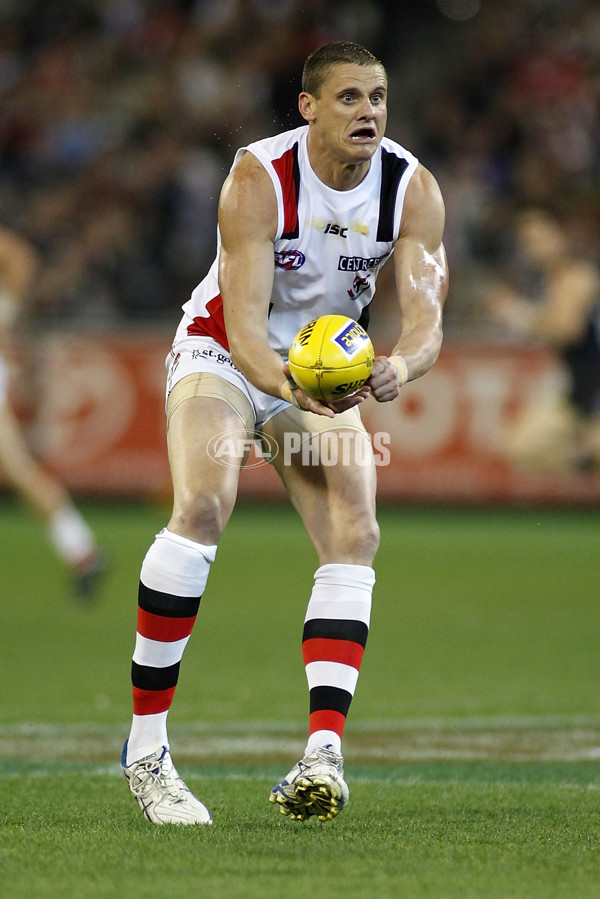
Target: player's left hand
349	401
383	380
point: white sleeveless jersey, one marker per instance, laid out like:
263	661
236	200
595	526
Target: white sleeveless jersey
329	245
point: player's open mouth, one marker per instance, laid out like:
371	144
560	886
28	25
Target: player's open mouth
363	135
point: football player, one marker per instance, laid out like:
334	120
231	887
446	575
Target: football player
307	218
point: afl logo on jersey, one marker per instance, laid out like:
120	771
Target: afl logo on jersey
291	260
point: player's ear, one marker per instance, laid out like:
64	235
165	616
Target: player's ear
306	105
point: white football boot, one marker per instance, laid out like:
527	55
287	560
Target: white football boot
315	786
160	792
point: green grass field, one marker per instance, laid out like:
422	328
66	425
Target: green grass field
472	747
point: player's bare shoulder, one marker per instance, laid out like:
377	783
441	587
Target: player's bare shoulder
424	211
248	197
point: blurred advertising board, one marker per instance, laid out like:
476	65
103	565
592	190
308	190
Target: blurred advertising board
98	422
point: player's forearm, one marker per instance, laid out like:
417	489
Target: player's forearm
419	349
258	362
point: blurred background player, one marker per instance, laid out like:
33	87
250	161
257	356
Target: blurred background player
69	534
227	373
552	296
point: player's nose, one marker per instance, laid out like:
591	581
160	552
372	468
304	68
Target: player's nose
366	110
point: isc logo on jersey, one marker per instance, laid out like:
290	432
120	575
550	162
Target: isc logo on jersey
334	228
331	357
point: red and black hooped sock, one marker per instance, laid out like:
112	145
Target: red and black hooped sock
334	650
173	578
335	634
164	625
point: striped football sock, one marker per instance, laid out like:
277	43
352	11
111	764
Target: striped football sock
172	581
335	634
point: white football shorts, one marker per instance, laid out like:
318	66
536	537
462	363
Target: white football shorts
204	365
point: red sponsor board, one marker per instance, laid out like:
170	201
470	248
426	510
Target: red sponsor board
100	413
99	425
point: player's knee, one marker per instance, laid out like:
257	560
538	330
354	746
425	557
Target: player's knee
369	538
201	515
358	539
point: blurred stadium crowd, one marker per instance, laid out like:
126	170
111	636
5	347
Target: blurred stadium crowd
120	118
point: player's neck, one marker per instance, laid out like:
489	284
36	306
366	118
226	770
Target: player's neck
337	174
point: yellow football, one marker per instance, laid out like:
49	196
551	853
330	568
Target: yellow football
331	357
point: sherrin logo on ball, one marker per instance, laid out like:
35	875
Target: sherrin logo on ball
331	357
